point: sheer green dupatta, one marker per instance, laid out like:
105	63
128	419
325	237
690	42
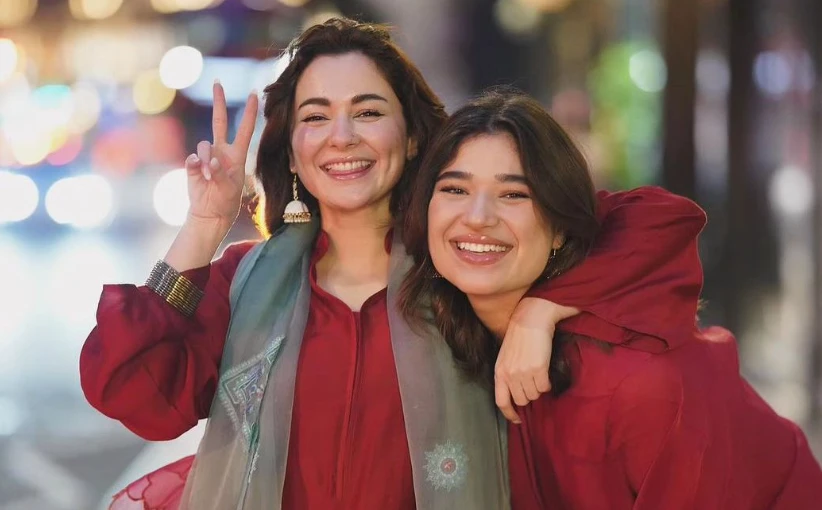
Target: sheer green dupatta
241	460
456	441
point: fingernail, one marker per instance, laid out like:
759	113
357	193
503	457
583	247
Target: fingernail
215	163
253	92
192	159
207	173
216	81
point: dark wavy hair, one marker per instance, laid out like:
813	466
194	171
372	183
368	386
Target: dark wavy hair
558	177
423	111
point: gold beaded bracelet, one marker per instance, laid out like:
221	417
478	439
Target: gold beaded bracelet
176	289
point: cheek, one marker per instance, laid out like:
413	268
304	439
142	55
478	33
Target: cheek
304	141
534	244
388	137
437	224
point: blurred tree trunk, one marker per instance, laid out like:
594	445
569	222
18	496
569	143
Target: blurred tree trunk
680	44
737	258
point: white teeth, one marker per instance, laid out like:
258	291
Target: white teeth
481	248
348	166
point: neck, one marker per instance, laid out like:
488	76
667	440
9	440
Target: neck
496	311
357	242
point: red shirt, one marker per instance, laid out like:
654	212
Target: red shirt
643	431
156	371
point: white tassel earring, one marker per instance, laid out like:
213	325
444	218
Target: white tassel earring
296	211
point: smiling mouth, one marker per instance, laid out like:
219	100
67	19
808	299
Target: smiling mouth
481	254
481	247
348	169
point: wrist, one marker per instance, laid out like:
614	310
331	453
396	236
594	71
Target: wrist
207	226
196	243
538	312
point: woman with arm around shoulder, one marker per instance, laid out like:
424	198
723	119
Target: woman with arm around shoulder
504	200
289	348
346	124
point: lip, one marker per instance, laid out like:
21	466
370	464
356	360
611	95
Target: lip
346	175
479	259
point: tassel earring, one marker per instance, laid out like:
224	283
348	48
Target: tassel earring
296	211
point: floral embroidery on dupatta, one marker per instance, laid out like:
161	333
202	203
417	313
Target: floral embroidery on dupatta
446	466
242	388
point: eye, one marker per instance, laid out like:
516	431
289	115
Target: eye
452	190
314	118
370	113
516	195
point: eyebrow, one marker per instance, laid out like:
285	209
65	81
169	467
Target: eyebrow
466	176
359	98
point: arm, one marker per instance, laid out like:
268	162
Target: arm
642	275
146	364
662	451
149	366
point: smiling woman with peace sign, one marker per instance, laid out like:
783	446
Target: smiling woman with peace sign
318	394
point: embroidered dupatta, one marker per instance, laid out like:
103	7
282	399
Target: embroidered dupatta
456	438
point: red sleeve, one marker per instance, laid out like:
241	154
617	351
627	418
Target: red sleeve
643	273
661	454
149	366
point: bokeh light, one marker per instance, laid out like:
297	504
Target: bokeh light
8	59
171	6
83	201
171	197
16	12
516	17
772	73
791	191
87	107
18	197
181	66
648	71
150	95
94	9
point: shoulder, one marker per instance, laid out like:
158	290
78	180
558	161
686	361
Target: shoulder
232	255
236	251
658	378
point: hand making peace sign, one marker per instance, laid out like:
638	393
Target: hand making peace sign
216	173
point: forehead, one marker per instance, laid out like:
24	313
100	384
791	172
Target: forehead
489	154
341	77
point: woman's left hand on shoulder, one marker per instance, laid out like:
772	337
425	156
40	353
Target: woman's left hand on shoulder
521	371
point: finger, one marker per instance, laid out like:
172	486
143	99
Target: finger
530	390
215	168
247	123
518	394
193	165
219	115
542	381
502	397
204	154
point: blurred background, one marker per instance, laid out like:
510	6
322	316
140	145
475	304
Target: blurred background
101	100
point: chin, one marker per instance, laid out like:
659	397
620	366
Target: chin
473	287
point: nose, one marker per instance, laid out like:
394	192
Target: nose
343	132
480	211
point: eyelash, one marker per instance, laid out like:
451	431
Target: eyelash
370	113
365	113
455	190
452	190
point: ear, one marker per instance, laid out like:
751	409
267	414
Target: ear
559	240
411	150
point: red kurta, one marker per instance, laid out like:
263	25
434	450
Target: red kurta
156	371
644	431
